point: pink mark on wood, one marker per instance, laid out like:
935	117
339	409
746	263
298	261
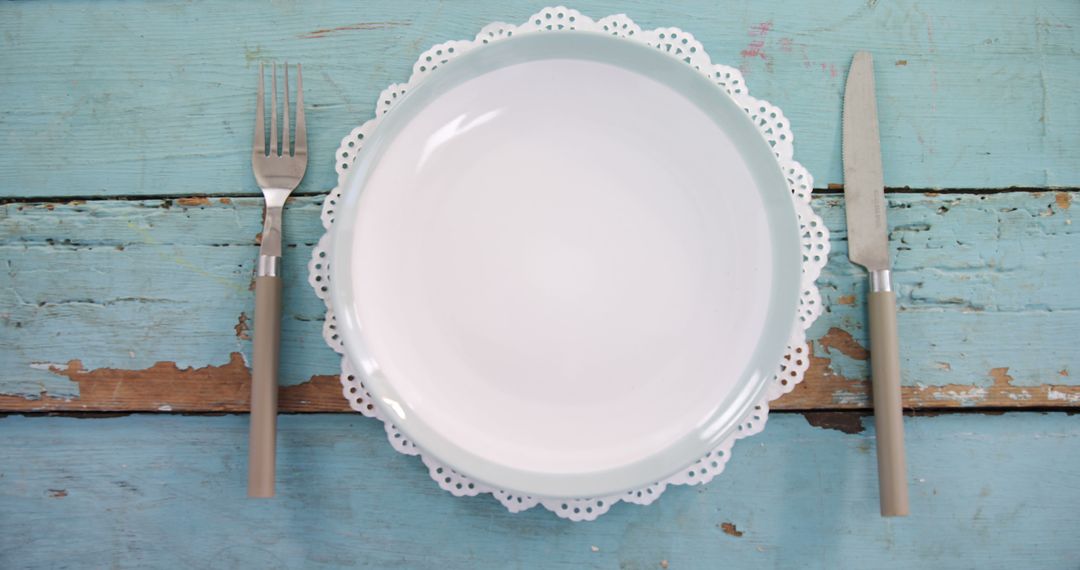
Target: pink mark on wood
754	49
761	28
785	45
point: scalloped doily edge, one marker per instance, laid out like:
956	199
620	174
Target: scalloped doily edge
773	126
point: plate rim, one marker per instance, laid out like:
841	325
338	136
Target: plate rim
688	449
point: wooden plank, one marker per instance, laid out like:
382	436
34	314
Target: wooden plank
162	491
113	98
145	305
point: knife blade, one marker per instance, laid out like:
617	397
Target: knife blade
868	245
864	185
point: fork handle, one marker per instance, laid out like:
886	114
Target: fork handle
262	441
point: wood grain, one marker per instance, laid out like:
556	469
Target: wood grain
118	305
130	305
115	98
162	491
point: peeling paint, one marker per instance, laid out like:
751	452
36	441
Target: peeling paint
242	327
226	388
166	387
193	201
966	397
823	384
1058	395
842	341
845	300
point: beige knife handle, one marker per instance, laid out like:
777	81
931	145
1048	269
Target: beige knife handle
888	416
262	440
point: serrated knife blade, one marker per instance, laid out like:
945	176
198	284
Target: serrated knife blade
864	184
868	245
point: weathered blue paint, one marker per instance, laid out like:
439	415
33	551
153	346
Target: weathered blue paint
970	302
168	492
119	98
113	98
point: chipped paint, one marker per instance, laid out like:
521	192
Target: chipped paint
193	201
166	387
225	388
1063	200
242	328
968	396
842	341
836	379
1021	396
730	529
825	387
845	300
1059	395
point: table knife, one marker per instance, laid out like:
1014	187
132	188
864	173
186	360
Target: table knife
868	246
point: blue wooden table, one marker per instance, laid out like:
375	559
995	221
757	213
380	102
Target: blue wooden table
128	230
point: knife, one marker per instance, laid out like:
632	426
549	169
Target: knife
868	246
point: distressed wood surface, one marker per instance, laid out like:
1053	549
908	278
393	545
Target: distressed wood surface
145	305
118	98
116	303
167	491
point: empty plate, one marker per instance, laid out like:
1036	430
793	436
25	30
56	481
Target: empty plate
566	264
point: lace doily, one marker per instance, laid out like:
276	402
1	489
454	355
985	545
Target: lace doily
774	127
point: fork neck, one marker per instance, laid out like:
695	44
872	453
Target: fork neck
270	245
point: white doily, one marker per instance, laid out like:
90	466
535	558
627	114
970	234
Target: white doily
774	128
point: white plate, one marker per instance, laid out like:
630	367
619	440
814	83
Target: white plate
567	264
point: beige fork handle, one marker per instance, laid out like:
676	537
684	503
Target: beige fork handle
888	414
262	441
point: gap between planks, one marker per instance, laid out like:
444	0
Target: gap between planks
832	189
164	387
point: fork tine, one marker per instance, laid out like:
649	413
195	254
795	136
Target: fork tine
285	116
273	115
258	141
301	127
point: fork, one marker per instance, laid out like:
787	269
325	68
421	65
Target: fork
278	172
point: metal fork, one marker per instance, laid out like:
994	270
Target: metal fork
277	172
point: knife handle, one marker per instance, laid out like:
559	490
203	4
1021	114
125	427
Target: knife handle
262	440
888	415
